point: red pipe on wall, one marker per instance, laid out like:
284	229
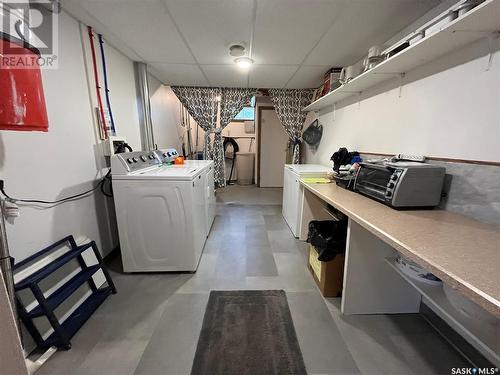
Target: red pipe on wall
96	77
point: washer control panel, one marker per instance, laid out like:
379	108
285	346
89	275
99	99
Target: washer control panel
133	161
167	155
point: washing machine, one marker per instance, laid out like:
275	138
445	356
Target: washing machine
164	212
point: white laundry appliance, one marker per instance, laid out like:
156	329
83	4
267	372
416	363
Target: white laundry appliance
293	192
164	212
167	156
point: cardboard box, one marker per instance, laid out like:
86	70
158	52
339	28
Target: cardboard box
329	276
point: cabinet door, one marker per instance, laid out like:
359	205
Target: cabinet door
294	202
199	214
286	194
210	197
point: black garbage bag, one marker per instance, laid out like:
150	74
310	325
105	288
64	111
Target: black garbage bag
328	237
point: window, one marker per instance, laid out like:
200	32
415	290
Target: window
247	113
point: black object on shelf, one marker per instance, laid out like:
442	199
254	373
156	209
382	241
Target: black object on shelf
63	331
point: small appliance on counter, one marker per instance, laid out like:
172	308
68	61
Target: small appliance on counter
401	184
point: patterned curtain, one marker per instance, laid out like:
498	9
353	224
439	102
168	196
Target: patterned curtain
288	105
232	102
201	103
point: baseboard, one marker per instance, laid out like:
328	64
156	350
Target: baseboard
112	254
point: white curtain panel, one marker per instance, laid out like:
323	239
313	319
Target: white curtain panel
288	105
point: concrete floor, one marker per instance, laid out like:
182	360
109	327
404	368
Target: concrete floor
151	326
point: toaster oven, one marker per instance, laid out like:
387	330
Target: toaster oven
401	184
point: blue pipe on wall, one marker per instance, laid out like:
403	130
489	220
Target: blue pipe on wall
106	88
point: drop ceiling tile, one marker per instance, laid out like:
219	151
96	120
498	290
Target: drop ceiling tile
271	76
307	77
73	8
363	24
179	74
209	26
286	30
226	75
144	26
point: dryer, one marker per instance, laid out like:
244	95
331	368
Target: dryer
167	156
162	211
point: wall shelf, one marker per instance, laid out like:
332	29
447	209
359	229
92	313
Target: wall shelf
484	340
480	22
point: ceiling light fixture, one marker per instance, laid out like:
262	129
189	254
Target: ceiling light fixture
244	62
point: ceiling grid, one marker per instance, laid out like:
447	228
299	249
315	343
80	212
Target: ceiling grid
293	42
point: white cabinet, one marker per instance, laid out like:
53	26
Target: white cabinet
286	195
293	192
199	228
210	198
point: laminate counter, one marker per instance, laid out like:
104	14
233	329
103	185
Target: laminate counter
463	252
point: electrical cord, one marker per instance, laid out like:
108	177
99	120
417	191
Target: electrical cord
99	185
121	148
107	177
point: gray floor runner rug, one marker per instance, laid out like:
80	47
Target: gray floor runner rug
248	332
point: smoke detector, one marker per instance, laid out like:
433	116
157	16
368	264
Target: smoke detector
237	49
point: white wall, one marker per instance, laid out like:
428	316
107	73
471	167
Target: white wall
164	115
448	108
121	77
66	160
237	129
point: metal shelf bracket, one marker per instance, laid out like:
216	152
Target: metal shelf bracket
491	36
401	82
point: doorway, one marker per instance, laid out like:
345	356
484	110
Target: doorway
272	148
